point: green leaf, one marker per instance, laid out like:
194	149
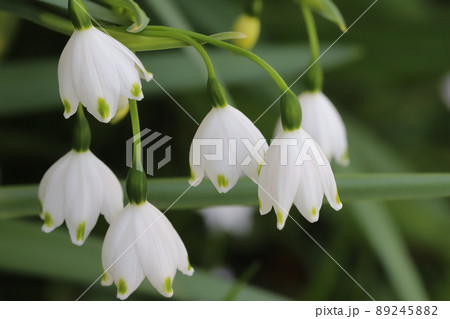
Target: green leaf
8	28
377	222
242	281
388	244
146	42
131	10
162	192
97	11
53	256
328	10
29	12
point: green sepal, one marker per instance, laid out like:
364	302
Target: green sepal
136	186
254	8
130	9
328	10
314	78
79	15
217	92
81	132
291	111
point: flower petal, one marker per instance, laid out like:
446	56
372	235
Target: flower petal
155	248
112	202
51	193
65	80
82	196
309	196
119	254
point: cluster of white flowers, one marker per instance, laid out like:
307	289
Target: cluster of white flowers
293	170
101	74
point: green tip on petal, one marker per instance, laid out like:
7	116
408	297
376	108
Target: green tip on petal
122	287
314	211
338	200
192	178
345	157
259	169
104	276
135	89
222	181
259	203
279	217
103	108
66	105
189	268
48	220
80	231
167	286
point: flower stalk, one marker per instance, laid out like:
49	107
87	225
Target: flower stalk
290	107
314	76
136	184
81	132
215	89
79	15
230	47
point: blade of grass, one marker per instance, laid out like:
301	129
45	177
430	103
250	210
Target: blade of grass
388	244
53	256
22	200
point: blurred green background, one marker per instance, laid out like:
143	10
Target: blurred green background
384	76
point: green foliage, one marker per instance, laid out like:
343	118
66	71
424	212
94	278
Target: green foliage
328	10
391	236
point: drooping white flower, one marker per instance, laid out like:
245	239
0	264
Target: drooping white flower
226	145
96	70
297	172
141	242
76	189
236	220
322	120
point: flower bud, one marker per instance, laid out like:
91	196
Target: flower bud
249	25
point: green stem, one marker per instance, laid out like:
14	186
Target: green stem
136	184
81	132
227	46
137	150
193	43
214	87
314	76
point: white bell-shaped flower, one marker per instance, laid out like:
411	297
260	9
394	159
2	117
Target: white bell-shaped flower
322	120
226	145
297	172
141	243
76	189
97	71
235	220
